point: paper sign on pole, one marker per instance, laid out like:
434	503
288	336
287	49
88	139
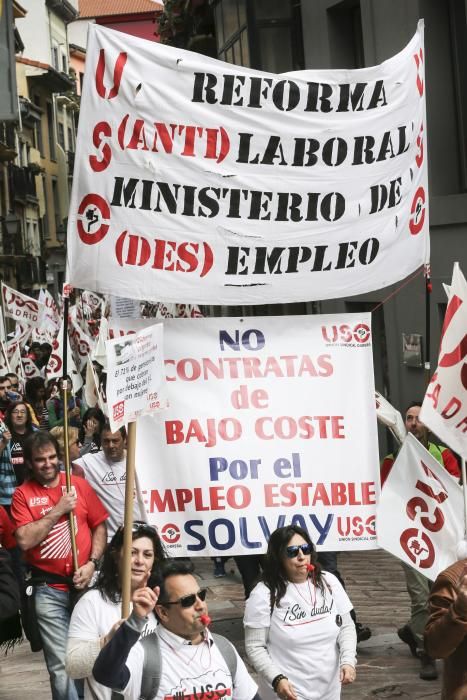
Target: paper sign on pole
21	307
201	181
271	421
444	408
419	517
30	369
135	376
121	307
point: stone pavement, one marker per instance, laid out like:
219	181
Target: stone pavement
376	587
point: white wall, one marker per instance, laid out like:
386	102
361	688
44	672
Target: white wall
35	31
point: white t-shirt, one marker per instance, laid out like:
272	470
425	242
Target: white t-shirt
92	618
108	481
192	671
303	634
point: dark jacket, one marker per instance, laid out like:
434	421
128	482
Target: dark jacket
446	632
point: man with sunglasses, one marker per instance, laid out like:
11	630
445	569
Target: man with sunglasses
182	659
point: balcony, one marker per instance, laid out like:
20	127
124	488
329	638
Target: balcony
22	182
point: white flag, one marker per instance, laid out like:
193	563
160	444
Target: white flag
21	307
444	408
419	517
54	368
389	416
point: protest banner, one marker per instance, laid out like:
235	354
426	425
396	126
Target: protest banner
121	307
20	307
4	364
209	181
444	408
135	376
419	514
271	421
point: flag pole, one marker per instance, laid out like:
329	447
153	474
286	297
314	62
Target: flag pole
428	290
128	518
66	441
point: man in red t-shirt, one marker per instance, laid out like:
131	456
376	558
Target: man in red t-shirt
39	511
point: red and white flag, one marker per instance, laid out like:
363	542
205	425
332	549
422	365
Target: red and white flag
51	314
22	333
30	369
81	344
21	307
444	408
419	517
54	368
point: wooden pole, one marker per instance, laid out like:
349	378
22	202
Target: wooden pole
128	521
66	441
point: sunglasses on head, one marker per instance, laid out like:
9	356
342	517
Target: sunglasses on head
293	549
188	600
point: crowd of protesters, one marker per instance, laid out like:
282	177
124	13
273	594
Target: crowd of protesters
72	610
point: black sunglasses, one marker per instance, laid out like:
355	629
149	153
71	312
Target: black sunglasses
293	550
188	600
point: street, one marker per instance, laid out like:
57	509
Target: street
376	587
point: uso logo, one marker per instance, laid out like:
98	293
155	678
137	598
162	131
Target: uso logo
345	334
119	410
170	533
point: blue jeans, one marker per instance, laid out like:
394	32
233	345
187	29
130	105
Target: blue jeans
53	619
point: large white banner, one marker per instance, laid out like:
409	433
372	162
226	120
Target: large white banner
270	421
201	181
444	408
419	516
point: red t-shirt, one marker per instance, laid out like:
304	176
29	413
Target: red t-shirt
7	538
31	502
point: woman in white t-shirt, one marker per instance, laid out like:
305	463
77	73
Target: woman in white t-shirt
97	614
299	635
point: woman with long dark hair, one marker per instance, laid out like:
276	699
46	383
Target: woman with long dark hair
299	635
97	614
90	430
20	427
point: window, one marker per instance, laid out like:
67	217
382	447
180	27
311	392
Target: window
263	34
55	61
70	139
51	130
64	63
61	134
345	35
56	203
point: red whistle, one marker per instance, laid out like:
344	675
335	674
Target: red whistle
205	620
310	567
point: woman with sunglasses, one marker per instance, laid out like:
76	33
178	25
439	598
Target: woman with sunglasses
299	635
97	614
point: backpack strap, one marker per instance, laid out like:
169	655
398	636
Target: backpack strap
227	650
152	666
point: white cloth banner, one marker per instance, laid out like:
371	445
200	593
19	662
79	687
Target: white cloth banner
419	517
21	307
444	408
271	421
135	376
201	181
